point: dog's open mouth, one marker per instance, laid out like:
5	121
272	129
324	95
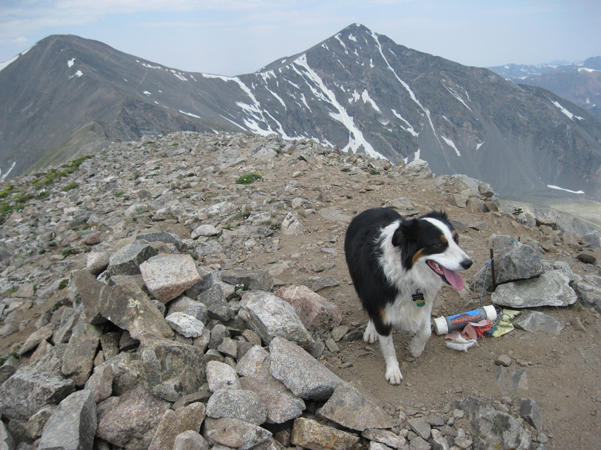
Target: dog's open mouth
448	276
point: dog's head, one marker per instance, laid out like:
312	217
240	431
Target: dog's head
431	241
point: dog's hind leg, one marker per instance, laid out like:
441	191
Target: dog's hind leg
370	335
393	371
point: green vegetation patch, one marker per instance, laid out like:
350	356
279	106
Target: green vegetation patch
248	178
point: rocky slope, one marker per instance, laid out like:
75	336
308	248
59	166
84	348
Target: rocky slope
197	232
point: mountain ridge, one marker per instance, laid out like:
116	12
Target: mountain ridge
357	90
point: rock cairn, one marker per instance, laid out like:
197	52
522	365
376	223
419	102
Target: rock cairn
135	324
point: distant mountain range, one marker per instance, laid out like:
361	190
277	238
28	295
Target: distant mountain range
357	90
579	83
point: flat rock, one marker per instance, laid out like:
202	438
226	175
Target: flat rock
315	311
250	279
234	433
281	404
170	369
353	409
334	215
23	394
130	310
130	421
167	275
127	260
535	321
221	376
493	428
185	324
237	404
72	426
552	288
300	372
173	423
311	434
270	316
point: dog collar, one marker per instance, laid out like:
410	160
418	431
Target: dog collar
418	298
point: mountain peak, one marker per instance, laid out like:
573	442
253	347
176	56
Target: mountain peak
357	90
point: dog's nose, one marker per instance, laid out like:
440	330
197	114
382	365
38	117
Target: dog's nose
466	264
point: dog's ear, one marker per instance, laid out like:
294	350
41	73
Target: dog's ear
405	238
406	231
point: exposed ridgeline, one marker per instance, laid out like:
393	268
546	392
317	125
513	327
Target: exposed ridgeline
357	90
169	289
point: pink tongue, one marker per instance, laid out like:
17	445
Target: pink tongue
453	278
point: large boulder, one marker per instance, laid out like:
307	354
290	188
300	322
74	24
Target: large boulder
550	289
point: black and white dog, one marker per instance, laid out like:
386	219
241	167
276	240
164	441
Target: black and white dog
398	265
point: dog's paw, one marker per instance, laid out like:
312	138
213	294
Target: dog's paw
370	335
416	347
393	375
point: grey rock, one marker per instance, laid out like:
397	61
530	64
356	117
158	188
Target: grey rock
316	284
24	394
204	230
185	324
212	296
353	409
218	334
291	225
534	321
315	312
78	360
593	238
512	261
253	361
300	372
334	215
130	421
37	422
130	310
221	376
494	428
190	440
234	433
167	275
173	423
237	404
281	404
170	369
162	236
385	437
421	426
250	279
550	289
97	262
270	316
189	306
35	338
101	382
530	412
308	433
127	260
72	426
588	290
6	440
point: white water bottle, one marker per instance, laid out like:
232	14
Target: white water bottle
444	325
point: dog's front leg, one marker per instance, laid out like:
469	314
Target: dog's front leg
418	343
393	371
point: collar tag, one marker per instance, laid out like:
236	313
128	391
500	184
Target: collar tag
418	298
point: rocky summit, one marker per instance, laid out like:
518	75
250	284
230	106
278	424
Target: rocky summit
189	291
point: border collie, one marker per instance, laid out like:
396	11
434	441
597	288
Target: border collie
398	265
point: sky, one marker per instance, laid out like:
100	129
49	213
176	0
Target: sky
233	37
